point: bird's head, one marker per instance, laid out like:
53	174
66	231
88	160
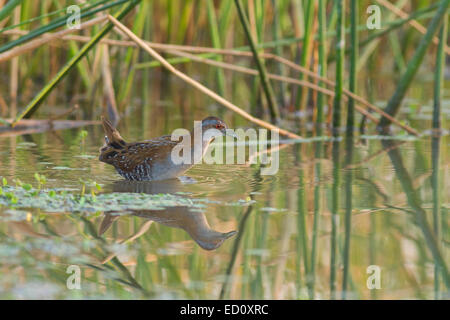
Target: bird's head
213	127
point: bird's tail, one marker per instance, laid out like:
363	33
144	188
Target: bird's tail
113	142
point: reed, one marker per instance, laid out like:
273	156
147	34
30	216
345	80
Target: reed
8	8
240	53
276	31
435	146
438	76
302	233
334	216
305	56
322	48
340	48
354	11
394	104
198	85
267	87
131	57
417	211
316	221
31	107
216	41
59	22
349	145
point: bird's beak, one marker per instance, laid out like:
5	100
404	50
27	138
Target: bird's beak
231	133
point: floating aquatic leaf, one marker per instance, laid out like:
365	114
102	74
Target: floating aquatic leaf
50	200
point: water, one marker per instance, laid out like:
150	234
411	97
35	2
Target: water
250	237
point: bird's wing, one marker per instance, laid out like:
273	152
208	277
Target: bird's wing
135	153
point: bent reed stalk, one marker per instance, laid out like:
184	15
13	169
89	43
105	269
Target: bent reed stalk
173	48
197	84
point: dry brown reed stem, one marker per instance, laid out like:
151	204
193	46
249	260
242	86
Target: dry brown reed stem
258	153
111	104
76	107
14	52
3	107
347	92
171	47
302	83
414	23
198	85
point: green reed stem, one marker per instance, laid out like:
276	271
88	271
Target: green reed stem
420	216
224	18
132	55
353	65
394	25
56	24
302	236
394	41
220	75
349	143
439	75
322	63
435	160
49	14
308	17
234	252
334	217
32	106
82	67
348	214
262	243
276	31
265	45
8	8
394	103
183	24
435	143
340	47
273	107
316	222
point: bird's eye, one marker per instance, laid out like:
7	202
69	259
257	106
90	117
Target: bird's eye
219	126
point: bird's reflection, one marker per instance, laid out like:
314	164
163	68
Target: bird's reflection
194	223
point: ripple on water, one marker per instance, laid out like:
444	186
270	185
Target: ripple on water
217	179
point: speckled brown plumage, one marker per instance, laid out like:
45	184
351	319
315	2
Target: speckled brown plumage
146	160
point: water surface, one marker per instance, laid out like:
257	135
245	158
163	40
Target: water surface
299	234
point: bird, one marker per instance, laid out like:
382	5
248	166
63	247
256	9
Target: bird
194	223
152	160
